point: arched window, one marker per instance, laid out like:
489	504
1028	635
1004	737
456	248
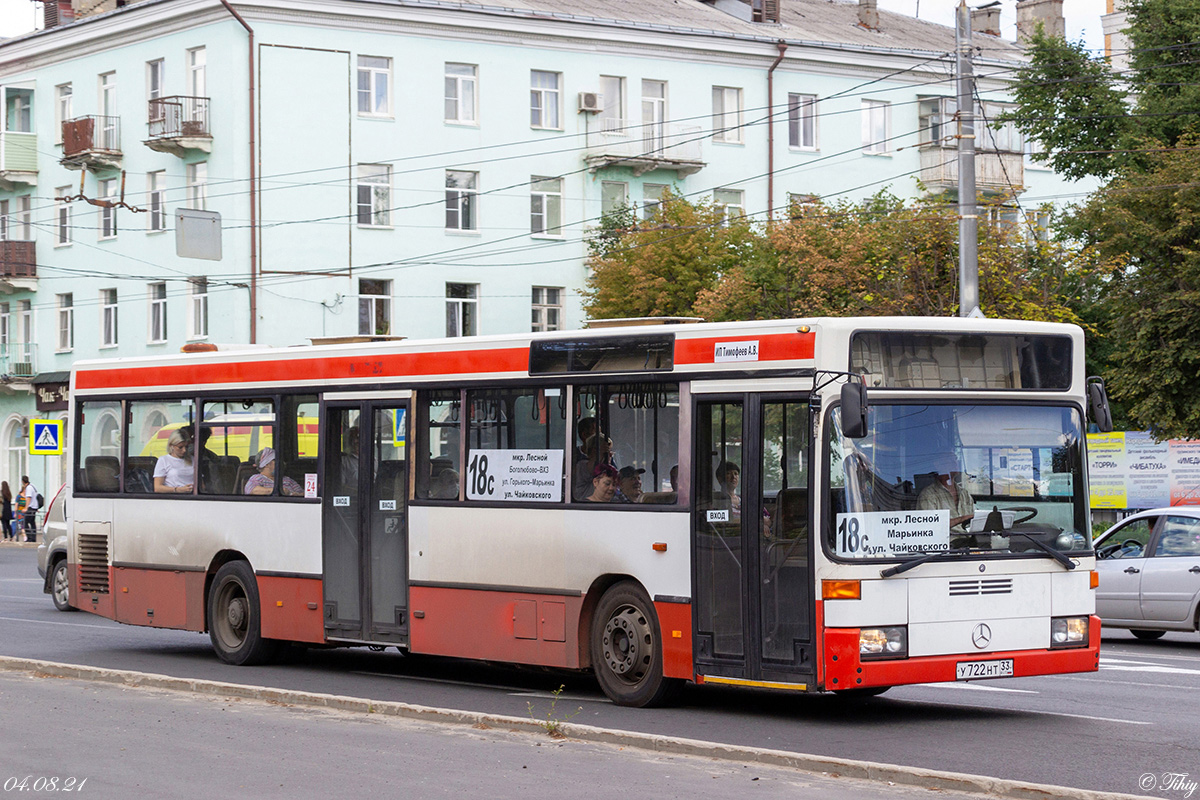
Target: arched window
18	452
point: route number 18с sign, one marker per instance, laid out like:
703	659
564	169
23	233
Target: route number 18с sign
887	534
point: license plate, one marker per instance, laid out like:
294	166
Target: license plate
974	670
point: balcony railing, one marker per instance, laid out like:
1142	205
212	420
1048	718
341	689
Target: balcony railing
179	117
647	147
18	159
17	259
91	141
994	171
18	360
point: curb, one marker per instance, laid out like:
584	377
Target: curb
827	765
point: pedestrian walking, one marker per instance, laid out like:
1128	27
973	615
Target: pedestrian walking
6	510
30	494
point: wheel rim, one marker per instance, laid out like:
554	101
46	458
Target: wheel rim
628	644
232	619
61	585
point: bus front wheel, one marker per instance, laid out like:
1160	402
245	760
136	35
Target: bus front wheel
627	649
235	617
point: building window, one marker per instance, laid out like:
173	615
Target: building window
1002	138
374	307
62	109
374	86
156	196
154	80
25	309
802	121
5	326
612	91
66	322
731	201
198	309
108	214
461	188
374	192
20	118
462	309
547	308
652	198
158	313
801	205
614	196
654	115
461	96
544	99
197	68
62	218
108	317
16	219
545	206
727	114
107	137
875	126
935	118
197	185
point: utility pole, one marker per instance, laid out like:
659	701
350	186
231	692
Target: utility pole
968	220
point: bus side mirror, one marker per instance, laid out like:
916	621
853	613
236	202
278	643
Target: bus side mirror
1098	404
854	410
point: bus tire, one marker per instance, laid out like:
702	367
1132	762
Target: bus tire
1148	636
627	649
235	617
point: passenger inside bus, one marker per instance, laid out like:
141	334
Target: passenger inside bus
174	472
630	489
728	474
264	481
947	491
597	452
604	484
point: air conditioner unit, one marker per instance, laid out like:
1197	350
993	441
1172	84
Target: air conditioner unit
591	101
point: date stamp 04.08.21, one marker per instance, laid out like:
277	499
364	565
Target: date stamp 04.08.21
1179	783
44	783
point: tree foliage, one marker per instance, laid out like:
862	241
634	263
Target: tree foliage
879	257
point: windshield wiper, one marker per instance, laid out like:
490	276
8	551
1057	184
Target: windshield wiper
1057	555
936	555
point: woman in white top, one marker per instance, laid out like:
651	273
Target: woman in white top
174	473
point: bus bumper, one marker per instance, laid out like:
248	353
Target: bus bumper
844	670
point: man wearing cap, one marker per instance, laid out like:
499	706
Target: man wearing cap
949	493
630	480
264	481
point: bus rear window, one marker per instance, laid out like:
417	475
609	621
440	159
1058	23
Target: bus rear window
915	360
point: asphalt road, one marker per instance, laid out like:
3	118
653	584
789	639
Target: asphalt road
1105	731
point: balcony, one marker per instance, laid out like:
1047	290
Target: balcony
18	266
17	367
179	124
648	147
92	142
18	159
995	172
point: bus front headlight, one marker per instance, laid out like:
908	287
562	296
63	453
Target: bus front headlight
890	642
1068	631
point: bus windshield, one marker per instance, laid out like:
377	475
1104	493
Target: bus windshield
930	477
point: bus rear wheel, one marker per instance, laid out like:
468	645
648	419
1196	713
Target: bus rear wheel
627	649
235	617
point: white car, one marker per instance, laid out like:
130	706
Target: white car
52	551
1149	569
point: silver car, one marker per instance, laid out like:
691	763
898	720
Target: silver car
1149	570
52	551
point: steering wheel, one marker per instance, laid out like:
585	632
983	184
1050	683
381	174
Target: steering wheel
1132	545
1030	510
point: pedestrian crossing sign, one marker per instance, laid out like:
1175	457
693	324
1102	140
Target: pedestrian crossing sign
45	437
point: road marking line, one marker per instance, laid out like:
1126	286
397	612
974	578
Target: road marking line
977	687
96	625
1123	683
1150	668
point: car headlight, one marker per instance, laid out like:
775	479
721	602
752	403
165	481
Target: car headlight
1068	631
875	643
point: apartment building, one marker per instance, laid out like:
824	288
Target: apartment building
267	171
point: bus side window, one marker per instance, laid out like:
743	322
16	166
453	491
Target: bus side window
438	435
99	447
152	423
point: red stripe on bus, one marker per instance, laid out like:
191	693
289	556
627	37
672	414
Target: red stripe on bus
774	347
675	624
514	359
843	670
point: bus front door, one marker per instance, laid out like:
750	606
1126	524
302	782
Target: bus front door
753	597
365	536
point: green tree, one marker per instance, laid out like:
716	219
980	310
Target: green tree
658	267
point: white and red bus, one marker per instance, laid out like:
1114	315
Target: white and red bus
659	504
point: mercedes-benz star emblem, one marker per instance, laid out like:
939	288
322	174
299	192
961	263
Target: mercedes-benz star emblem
981	637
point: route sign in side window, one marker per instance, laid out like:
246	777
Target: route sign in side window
515	444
